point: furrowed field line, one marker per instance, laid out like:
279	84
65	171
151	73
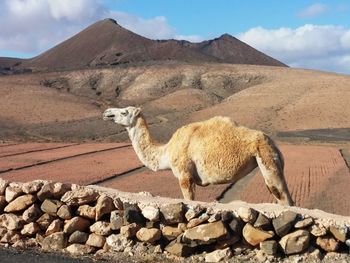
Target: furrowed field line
40	150
62	159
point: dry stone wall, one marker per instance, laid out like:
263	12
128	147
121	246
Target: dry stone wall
90	220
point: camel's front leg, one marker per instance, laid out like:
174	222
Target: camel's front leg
186	183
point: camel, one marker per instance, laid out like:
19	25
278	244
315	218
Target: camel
215	151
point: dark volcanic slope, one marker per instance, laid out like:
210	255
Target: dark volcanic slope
107	43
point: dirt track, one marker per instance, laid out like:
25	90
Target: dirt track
317	175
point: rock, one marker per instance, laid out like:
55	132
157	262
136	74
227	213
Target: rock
182	226
339	233
101	228
150	235
79	249
95	240
221	244
12	192
50	206
56	241
11	221
64	212
118	242
261	256
284	222
3	203
178	249
236	225
30	229
116	220
104	206
295	242
219	255
44	221
269	247
3	185
171	233
32	213
130	230
193	212
254	236
197	221
206	233
248	215
214	217
150	224
304	223
78	237
151	213
132	214
327	243
32	187
55	226
20	203
10	237
227	216
318	231
80	196
87	212
76	223
53	191
263	222
172	213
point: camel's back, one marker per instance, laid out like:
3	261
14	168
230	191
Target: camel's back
213	133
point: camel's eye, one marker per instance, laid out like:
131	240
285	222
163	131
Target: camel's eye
124	113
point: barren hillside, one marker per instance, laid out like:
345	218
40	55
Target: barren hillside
67	106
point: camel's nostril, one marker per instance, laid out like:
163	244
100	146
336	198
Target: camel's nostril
110	116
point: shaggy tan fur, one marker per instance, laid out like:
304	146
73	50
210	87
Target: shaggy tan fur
215	151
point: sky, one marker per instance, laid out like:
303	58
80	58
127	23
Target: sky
300	33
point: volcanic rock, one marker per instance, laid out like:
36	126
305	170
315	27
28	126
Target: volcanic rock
78	237
172	213
284	222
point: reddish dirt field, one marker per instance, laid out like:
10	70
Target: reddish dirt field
317	175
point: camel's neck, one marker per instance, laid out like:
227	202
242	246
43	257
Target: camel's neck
150	153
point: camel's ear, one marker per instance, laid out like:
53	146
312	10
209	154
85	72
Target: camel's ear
137	112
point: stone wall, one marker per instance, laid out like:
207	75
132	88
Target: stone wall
92	220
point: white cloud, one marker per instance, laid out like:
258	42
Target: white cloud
313	10
309	46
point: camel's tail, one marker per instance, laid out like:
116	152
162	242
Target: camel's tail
271	164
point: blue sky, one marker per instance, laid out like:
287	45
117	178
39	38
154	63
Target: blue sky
306	34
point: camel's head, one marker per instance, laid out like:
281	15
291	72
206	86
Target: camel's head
123	116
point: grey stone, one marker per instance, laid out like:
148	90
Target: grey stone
117	220
263	222
150	235
284	222
206	233
53	190
101	228
11	221
56	241
132	214
247	214
269	247
197	221
103	206
179	249
32	213
64	212
172	213
96	240
295	242
236	225
193	212
219	255
151	213
304	223
50	206
80	196
118	242
76	223
78	237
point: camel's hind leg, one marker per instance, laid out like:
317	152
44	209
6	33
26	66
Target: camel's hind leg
270	162
186	182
